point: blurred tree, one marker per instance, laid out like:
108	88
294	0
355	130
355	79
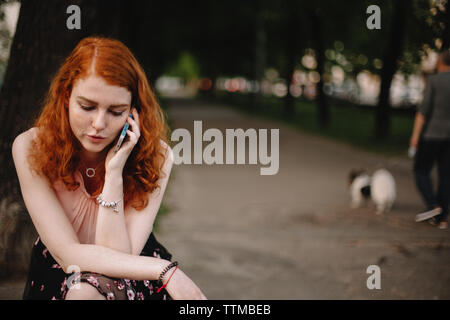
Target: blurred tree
259	53
292	44
408	30
185	67
318	31
392	53
5	38
299	27
441	22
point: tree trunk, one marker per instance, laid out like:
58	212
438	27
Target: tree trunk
292	38
393	52
318	40
259	55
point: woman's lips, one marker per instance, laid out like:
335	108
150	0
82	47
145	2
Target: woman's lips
95	138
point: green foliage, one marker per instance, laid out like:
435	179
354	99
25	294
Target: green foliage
349	123
222	35
185	67
422	29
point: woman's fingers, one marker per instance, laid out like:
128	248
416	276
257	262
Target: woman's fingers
133	137
135	115
134	123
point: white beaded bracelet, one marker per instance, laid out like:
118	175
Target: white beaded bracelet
107	204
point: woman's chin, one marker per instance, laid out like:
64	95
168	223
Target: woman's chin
94	148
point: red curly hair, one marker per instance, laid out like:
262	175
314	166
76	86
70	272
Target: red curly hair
55	153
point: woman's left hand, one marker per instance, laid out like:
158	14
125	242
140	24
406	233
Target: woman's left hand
115	161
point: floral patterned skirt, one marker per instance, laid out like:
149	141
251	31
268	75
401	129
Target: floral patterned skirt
47	281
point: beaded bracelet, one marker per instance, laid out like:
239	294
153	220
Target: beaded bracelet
166	269
165	285
107	204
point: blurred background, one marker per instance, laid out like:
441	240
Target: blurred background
343	96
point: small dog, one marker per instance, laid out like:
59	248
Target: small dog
380	188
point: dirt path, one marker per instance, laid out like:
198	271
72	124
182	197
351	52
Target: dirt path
241	235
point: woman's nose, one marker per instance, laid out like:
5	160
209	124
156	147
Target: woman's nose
99	122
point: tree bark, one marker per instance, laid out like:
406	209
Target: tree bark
393	52
292	37
259	56
319	46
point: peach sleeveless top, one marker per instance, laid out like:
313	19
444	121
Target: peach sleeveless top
80	207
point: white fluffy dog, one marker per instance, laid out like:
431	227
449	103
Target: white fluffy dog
380	188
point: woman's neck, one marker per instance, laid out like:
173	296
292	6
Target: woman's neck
92	160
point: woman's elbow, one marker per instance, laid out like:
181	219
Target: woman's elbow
68	261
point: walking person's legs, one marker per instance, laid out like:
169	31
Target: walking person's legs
423	163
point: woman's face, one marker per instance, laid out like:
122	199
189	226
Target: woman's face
97	113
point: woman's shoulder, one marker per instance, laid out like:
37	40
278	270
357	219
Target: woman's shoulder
22	143
27	136
24	139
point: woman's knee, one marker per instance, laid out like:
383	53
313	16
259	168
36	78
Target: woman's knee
84	291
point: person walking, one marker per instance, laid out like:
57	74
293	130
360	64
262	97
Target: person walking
431	139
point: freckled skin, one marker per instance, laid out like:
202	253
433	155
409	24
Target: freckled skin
100	120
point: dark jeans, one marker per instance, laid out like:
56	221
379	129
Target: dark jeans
428	153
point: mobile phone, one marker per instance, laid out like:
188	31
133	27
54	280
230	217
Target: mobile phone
122	134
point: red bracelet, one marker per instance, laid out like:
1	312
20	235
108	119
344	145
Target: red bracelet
167	280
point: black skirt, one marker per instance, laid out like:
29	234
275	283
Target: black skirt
47	280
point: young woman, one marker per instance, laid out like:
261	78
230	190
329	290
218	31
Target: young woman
93	206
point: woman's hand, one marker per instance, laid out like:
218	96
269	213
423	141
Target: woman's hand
181	287
116	161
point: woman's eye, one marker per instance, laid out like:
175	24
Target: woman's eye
89	108
117	114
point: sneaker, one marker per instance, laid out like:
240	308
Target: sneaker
433	221
443	225
428	214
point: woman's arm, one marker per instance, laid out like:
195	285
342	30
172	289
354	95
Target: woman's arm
134	227
58	235
121	265
140	223
111	229
128	229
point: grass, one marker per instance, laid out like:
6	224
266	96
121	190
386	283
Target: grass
349	123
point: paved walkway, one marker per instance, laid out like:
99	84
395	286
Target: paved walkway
240	235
